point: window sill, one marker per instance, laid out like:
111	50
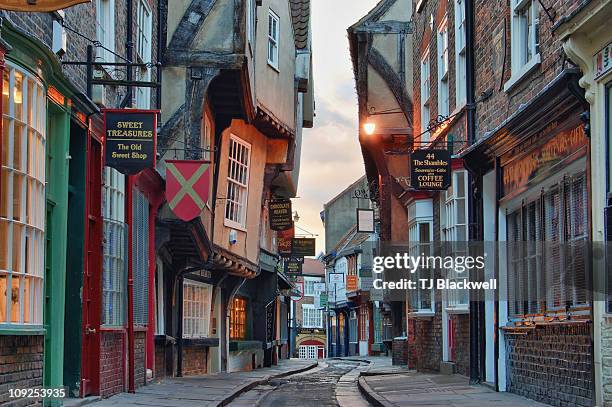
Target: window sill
458	310
234	225
274	67
517	77
422	314
22	330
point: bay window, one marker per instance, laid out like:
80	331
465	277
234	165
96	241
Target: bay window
22	199
237	183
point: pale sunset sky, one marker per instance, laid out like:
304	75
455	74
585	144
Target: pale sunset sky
331	157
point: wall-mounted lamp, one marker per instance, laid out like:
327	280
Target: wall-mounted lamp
369	128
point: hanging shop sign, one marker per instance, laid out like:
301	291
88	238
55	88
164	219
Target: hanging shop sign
352	283
323	300
336	279
603	61
39	5
539	162
284	240
319	287
187	187
130	139
280	215
365	220
303	247
298	293
293	266
271	321
430	170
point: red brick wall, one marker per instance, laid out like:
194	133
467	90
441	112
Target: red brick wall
140	358
195	360
112	363
21	366
461	324
428	343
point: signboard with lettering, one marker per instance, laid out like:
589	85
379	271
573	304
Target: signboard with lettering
293	267
39	5
567	146
323	300
352	283
336	278
284	240
130	139
299	291
603	61
430	170
303	247
376	294
280	215
270	321
319	287
365	220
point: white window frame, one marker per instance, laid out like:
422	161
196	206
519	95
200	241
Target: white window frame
144	35
443	69
105	29
237	188
22	226
160	323
353	327
420	214
196	309
454	231
273	39
460	57
425	96
251	19
309	283
523	32
312	317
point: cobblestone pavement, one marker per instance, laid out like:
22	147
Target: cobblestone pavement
322	386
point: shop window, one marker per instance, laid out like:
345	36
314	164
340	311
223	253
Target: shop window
237	182
353	326
22	203
548	263
425	83
420	231
454	235
115	248
238	319
312	317
196	309
364	323
443	88
460	64
273	39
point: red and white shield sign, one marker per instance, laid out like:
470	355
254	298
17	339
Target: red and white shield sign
187	187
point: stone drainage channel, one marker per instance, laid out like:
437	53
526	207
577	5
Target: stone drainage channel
332	383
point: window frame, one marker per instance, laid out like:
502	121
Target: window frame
442	48
420	213
313	281
106	27
30	174
425	89
238	329
273	41
460	55
144	31
521	63
313	311
241	221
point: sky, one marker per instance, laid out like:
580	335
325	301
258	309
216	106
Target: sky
331	157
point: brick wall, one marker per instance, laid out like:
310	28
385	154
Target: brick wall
552	364
21	366
195	360
112	362
428	342
461	324
140	353
400	352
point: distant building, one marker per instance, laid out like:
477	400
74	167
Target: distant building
310	317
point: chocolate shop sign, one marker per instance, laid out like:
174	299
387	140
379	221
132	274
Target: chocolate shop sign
430	170
130	138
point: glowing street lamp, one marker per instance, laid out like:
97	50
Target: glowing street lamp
369	128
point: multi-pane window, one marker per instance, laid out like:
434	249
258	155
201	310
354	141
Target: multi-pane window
238	319
144	22
140	256
196	309
312	317
22	203
237	182
443	91
364	323
420	231
524	28
460	66
548	263
105	30
309	283
273	38
425	115
454	234
378	325
353	326
251	21
115	248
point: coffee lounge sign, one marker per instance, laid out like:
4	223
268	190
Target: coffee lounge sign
130	138
430	170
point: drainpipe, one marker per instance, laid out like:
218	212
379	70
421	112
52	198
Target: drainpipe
130	284
150	346
471	137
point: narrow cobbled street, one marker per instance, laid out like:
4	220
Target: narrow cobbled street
312	388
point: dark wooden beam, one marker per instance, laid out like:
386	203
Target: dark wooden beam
203	58
385	27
